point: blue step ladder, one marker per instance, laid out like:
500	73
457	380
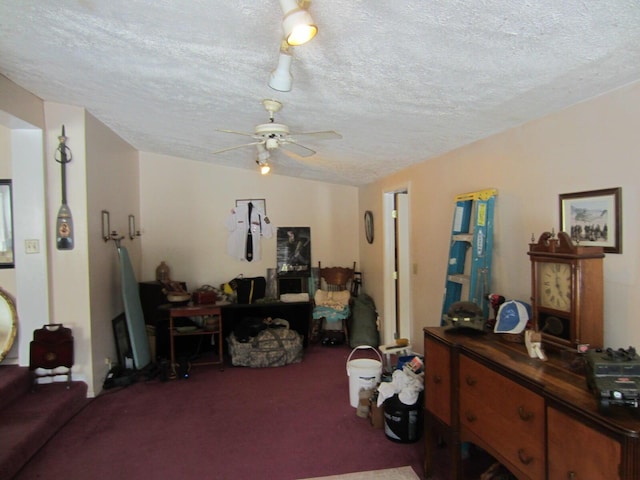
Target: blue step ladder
469	265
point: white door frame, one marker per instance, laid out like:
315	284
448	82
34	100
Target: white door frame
397	276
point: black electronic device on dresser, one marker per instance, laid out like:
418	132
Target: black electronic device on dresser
613	376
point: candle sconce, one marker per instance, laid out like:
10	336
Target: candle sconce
133	233
107	233
106	226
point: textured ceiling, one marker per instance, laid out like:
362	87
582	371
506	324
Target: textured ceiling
401	81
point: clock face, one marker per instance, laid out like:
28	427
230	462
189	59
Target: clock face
554	285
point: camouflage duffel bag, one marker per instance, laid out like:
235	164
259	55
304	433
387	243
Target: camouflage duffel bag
275	346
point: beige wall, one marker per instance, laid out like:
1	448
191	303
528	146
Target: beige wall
184	205
19	106
69	269
22	120
7	276
112	185
590	146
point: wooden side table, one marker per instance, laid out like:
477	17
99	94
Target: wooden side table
209	328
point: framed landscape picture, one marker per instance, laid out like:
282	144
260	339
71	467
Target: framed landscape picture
593	218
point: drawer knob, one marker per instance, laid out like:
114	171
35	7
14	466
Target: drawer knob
437	379
470	380
470	417
524	458
571	475
524	415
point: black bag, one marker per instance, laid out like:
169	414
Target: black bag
248	327
250	289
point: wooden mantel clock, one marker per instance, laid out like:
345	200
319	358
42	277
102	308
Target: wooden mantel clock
567	292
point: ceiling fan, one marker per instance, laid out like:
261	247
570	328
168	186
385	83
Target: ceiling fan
277	135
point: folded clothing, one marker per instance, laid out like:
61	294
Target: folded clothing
294	297
336	300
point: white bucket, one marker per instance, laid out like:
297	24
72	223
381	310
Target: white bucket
363	373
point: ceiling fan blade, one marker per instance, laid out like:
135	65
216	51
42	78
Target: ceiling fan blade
297	149
324	135
235	132
237	146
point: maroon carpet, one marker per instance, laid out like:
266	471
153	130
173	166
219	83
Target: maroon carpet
274	423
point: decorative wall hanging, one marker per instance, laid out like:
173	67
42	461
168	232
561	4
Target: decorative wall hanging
8	322
6	225
64	222
247	224
593	218
294	251
368	225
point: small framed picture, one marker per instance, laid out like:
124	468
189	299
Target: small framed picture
593	218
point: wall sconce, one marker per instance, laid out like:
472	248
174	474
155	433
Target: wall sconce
297	24
107	233
133	233
106	227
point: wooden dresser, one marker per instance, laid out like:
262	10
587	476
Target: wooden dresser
537	418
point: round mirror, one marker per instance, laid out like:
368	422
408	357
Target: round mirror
8	323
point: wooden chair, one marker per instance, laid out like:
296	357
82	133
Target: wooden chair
337	279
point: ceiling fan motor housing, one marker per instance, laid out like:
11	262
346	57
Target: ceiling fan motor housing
274	135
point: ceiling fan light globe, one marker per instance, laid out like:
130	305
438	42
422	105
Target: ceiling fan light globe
263	157
264	169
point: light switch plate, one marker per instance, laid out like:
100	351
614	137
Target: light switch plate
32	246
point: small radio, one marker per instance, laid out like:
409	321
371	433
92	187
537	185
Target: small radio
613	376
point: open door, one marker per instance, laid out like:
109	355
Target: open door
397	288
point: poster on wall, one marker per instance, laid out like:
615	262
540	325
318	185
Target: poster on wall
293	251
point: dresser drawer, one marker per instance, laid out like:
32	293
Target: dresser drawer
504	414
578	452
437	379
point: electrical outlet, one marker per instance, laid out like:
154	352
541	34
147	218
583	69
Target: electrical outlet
32	246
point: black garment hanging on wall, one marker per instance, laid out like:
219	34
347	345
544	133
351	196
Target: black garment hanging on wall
249	254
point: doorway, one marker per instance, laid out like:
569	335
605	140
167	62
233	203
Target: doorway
397	272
